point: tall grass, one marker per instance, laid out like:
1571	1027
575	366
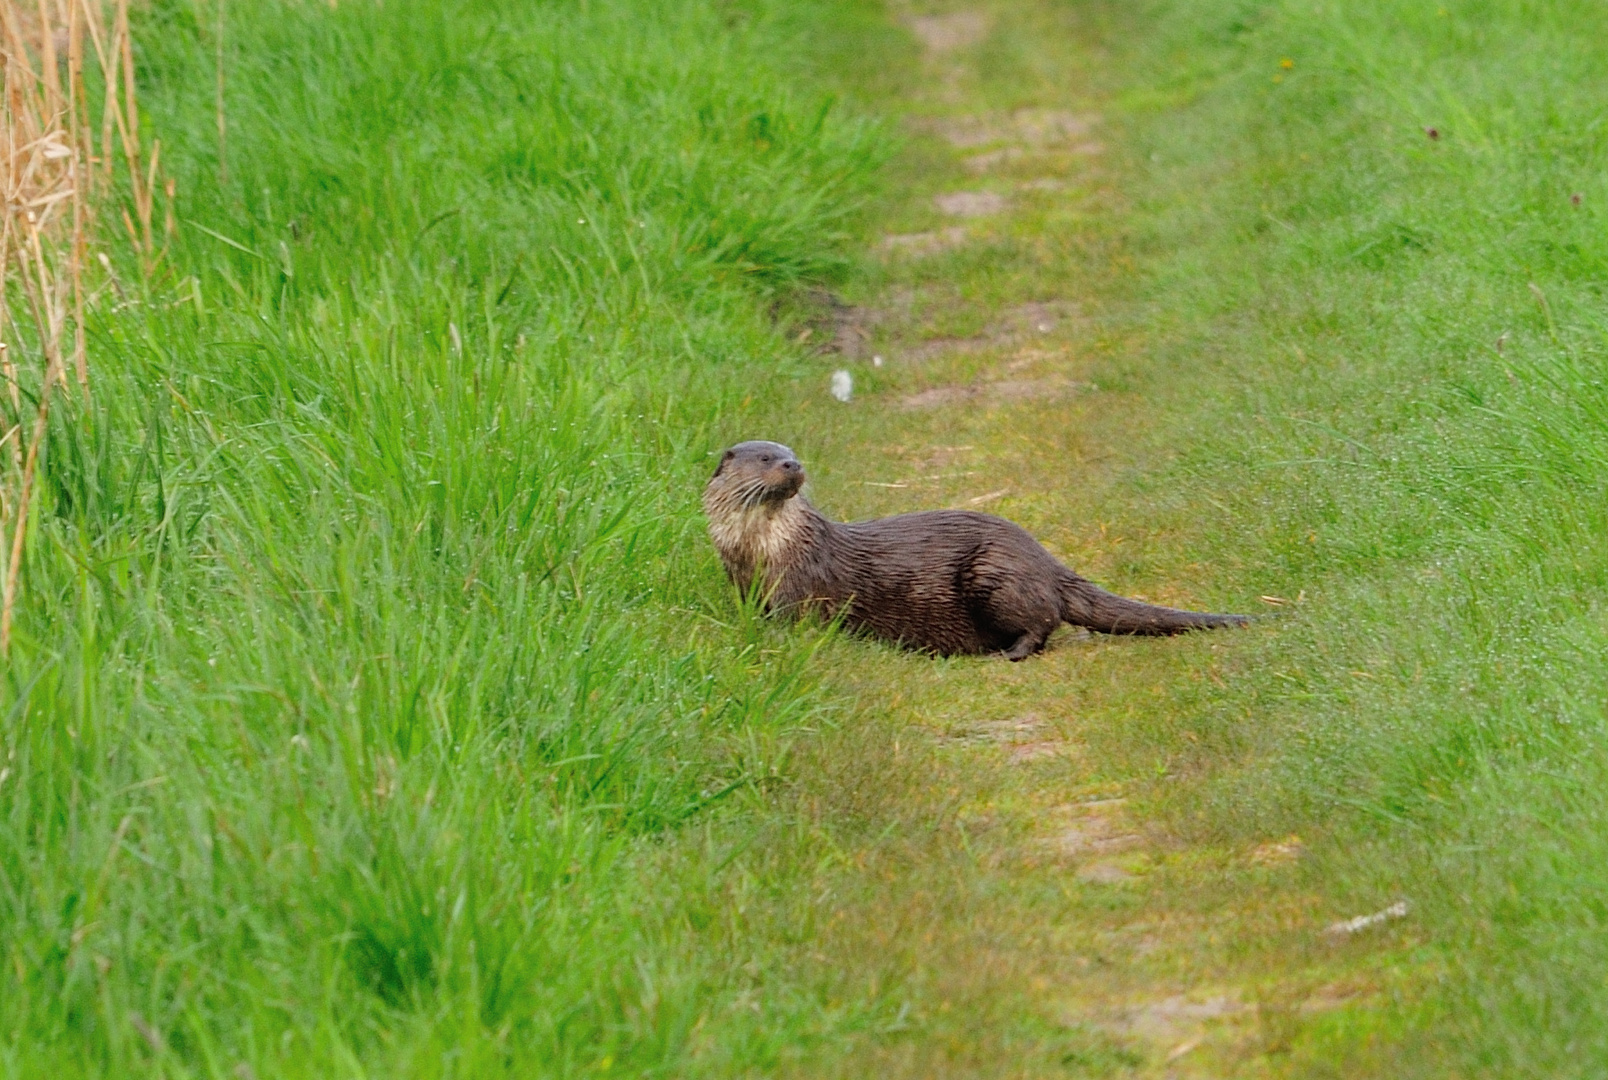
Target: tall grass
367	630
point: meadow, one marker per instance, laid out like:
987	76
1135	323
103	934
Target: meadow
376	706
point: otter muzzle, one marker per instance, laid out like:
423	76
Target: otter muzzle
784	479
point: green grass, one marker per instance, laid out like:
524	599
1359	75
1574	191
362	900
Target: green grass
368	629
1346	361
1385	354
377	707
1414	350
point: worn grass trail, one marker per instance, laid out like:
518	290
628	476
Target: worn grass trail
1263	305
1006	850
1010	869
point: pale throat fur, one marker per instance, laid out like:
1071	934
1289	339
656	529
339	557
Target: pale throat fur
753	535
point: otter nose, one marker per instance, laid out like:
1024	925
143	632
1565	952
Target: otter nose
791	466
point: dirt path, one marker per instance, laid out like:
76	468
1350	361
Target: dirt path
998	846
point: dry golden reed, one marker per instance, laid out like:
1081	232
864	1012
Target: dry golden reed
55	173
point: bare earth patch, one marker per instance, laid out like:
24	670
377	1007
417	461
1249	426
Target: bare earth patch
971	203
1004	391
1005	155
1105	873
840	328
933	348
1015	326
1277	852
1037	128
943	34
919	244
1170	1019
997	732
1023	738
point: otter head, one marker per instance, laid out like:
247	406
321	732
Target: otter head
751	505
758	472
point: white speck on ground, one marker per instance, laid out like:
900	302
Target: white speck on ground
1347	927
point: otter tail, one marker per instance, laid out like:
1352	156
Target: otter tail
1086	604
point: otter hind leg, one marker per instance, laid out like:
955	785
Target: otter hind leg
1029	643
1018	615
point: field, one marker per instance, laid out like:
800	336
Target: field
377	706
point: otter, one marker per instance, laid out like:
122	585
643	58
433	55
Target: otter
948	582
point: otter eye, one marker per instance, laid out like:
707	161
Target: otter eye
765	458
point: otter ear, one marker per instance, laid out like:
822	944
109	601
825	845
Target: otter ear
727	456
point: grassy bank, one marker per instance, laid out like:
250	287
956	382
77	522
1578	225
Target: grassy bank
367	631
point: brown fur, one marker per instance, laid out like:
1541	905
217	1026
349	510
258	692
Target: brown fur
943	581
